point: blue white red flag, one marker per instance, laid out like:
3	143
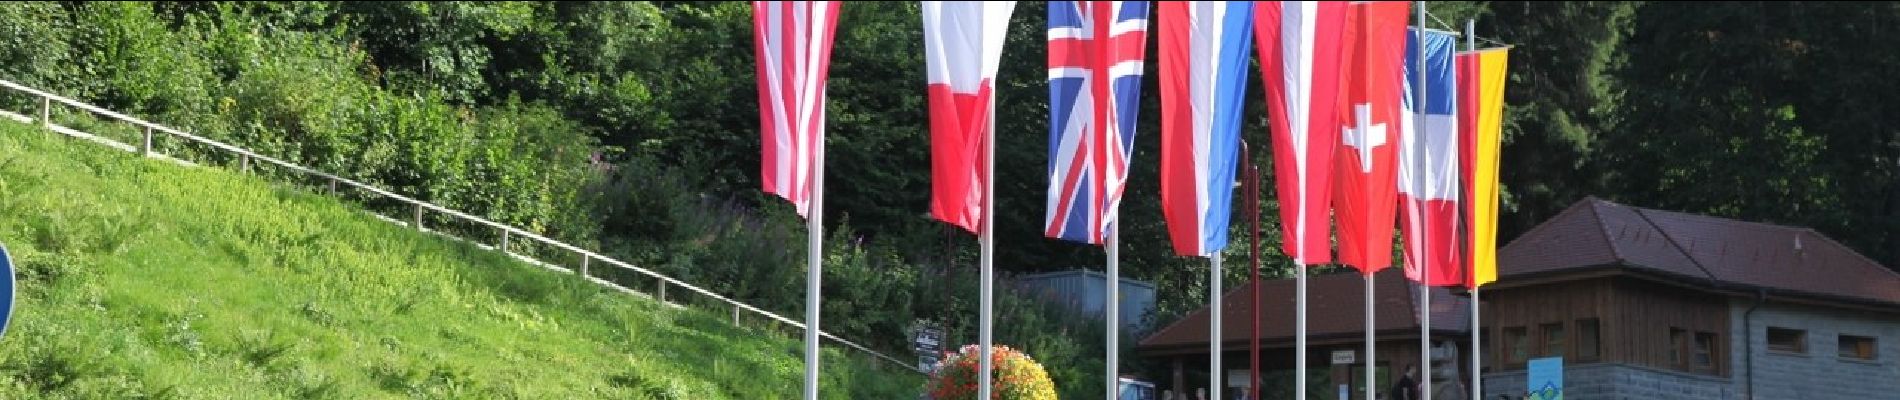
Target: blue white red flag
1096	51
1204	49
1428	163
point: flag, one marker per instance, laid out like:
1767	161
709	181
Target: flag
792	41
1366	185
963	41
1300	45
1204	47
1481	111
1428	164
1096	50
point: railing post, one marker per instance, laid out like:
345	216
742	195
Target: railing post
332	186
584	259
146	150
662	290
244	163
418	216
504	241
46	111
735	314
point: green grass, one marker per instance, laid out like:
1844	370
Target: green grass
140	278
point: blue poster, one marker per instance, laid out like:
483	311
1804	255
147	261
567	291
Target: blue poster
1546	380
6	297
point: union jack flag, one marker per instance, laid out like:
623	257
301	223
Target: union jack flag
1096	50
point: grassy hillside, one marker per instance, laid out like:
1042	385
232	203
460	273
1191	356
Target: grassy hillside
140	278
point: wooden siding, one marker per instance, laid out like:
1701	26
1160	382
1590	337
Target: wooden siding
1530	307
1634	321
1643	312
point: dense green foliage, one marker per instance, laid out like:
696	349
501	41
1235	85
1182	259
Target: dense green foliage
143	279
633	126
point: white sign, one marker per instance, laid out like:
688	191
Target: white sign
1343	357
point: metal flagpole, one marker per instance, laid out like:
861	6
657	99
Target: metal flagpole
1477	381
988	243
1114	309
1299	324
1253	250
1424	291
1370	355
815	231
1214	372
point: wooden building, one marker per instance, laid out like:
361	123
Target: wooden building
1650	304
1639	303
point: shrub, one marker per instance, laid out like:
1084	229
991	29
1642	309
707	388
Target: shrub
1018	377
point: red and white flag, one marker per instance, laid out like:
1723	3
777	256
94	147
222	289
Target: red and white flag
963	42
792	40
1365	190
1300	45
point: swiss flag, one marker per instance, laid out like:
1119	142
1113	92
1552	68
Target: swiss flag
1365	185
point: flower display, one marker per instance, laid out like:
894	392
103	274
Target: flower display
1018	377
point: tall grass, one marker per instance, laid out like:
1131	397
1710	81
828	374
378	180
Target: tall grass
141	279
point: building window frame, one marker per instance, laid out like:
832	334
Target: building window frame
1705	354
1791	341
1515	345
1678	348
1589	339
1858	348
1551	339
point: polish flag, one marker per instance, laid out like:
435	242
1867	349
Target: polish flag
963	41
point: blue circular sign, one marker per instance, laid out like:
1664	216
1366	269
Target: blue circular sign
6	298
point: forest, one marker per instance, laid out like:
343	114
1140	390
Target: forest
632	127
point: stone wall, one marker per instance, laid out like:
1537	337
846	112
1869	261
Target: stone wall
1618	382
1819	372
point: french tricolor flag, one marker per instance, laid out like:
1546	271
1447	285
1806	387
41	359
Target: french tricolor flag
1428	162
1204	49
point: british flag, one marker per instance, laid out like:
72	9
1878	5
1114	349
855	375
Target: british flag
1095	52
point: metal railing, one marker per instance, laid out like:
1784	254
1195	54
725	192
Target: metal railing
47	100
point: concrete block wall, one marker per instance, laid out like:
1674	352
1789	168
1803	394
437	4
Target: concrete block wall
1619	382
1820	373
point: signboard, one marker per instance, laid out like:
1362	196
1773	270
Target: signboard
1546	379
6	297
928	343
1343	357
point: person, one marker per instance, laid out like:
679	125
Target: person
1407	386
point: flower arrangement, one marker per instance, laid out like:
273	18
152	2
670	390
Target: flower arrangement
1018	377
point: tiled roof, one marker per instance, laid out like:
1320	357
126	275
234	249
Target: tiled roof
1707	250
1335	306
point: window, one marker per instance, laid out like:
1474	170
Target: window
1587	339
1704	352
1553	339
1678	344
1516	348
1787	340
1857	347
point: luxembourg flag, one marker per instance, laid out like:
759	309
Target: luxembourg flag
1204	49
1428	163
963	42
